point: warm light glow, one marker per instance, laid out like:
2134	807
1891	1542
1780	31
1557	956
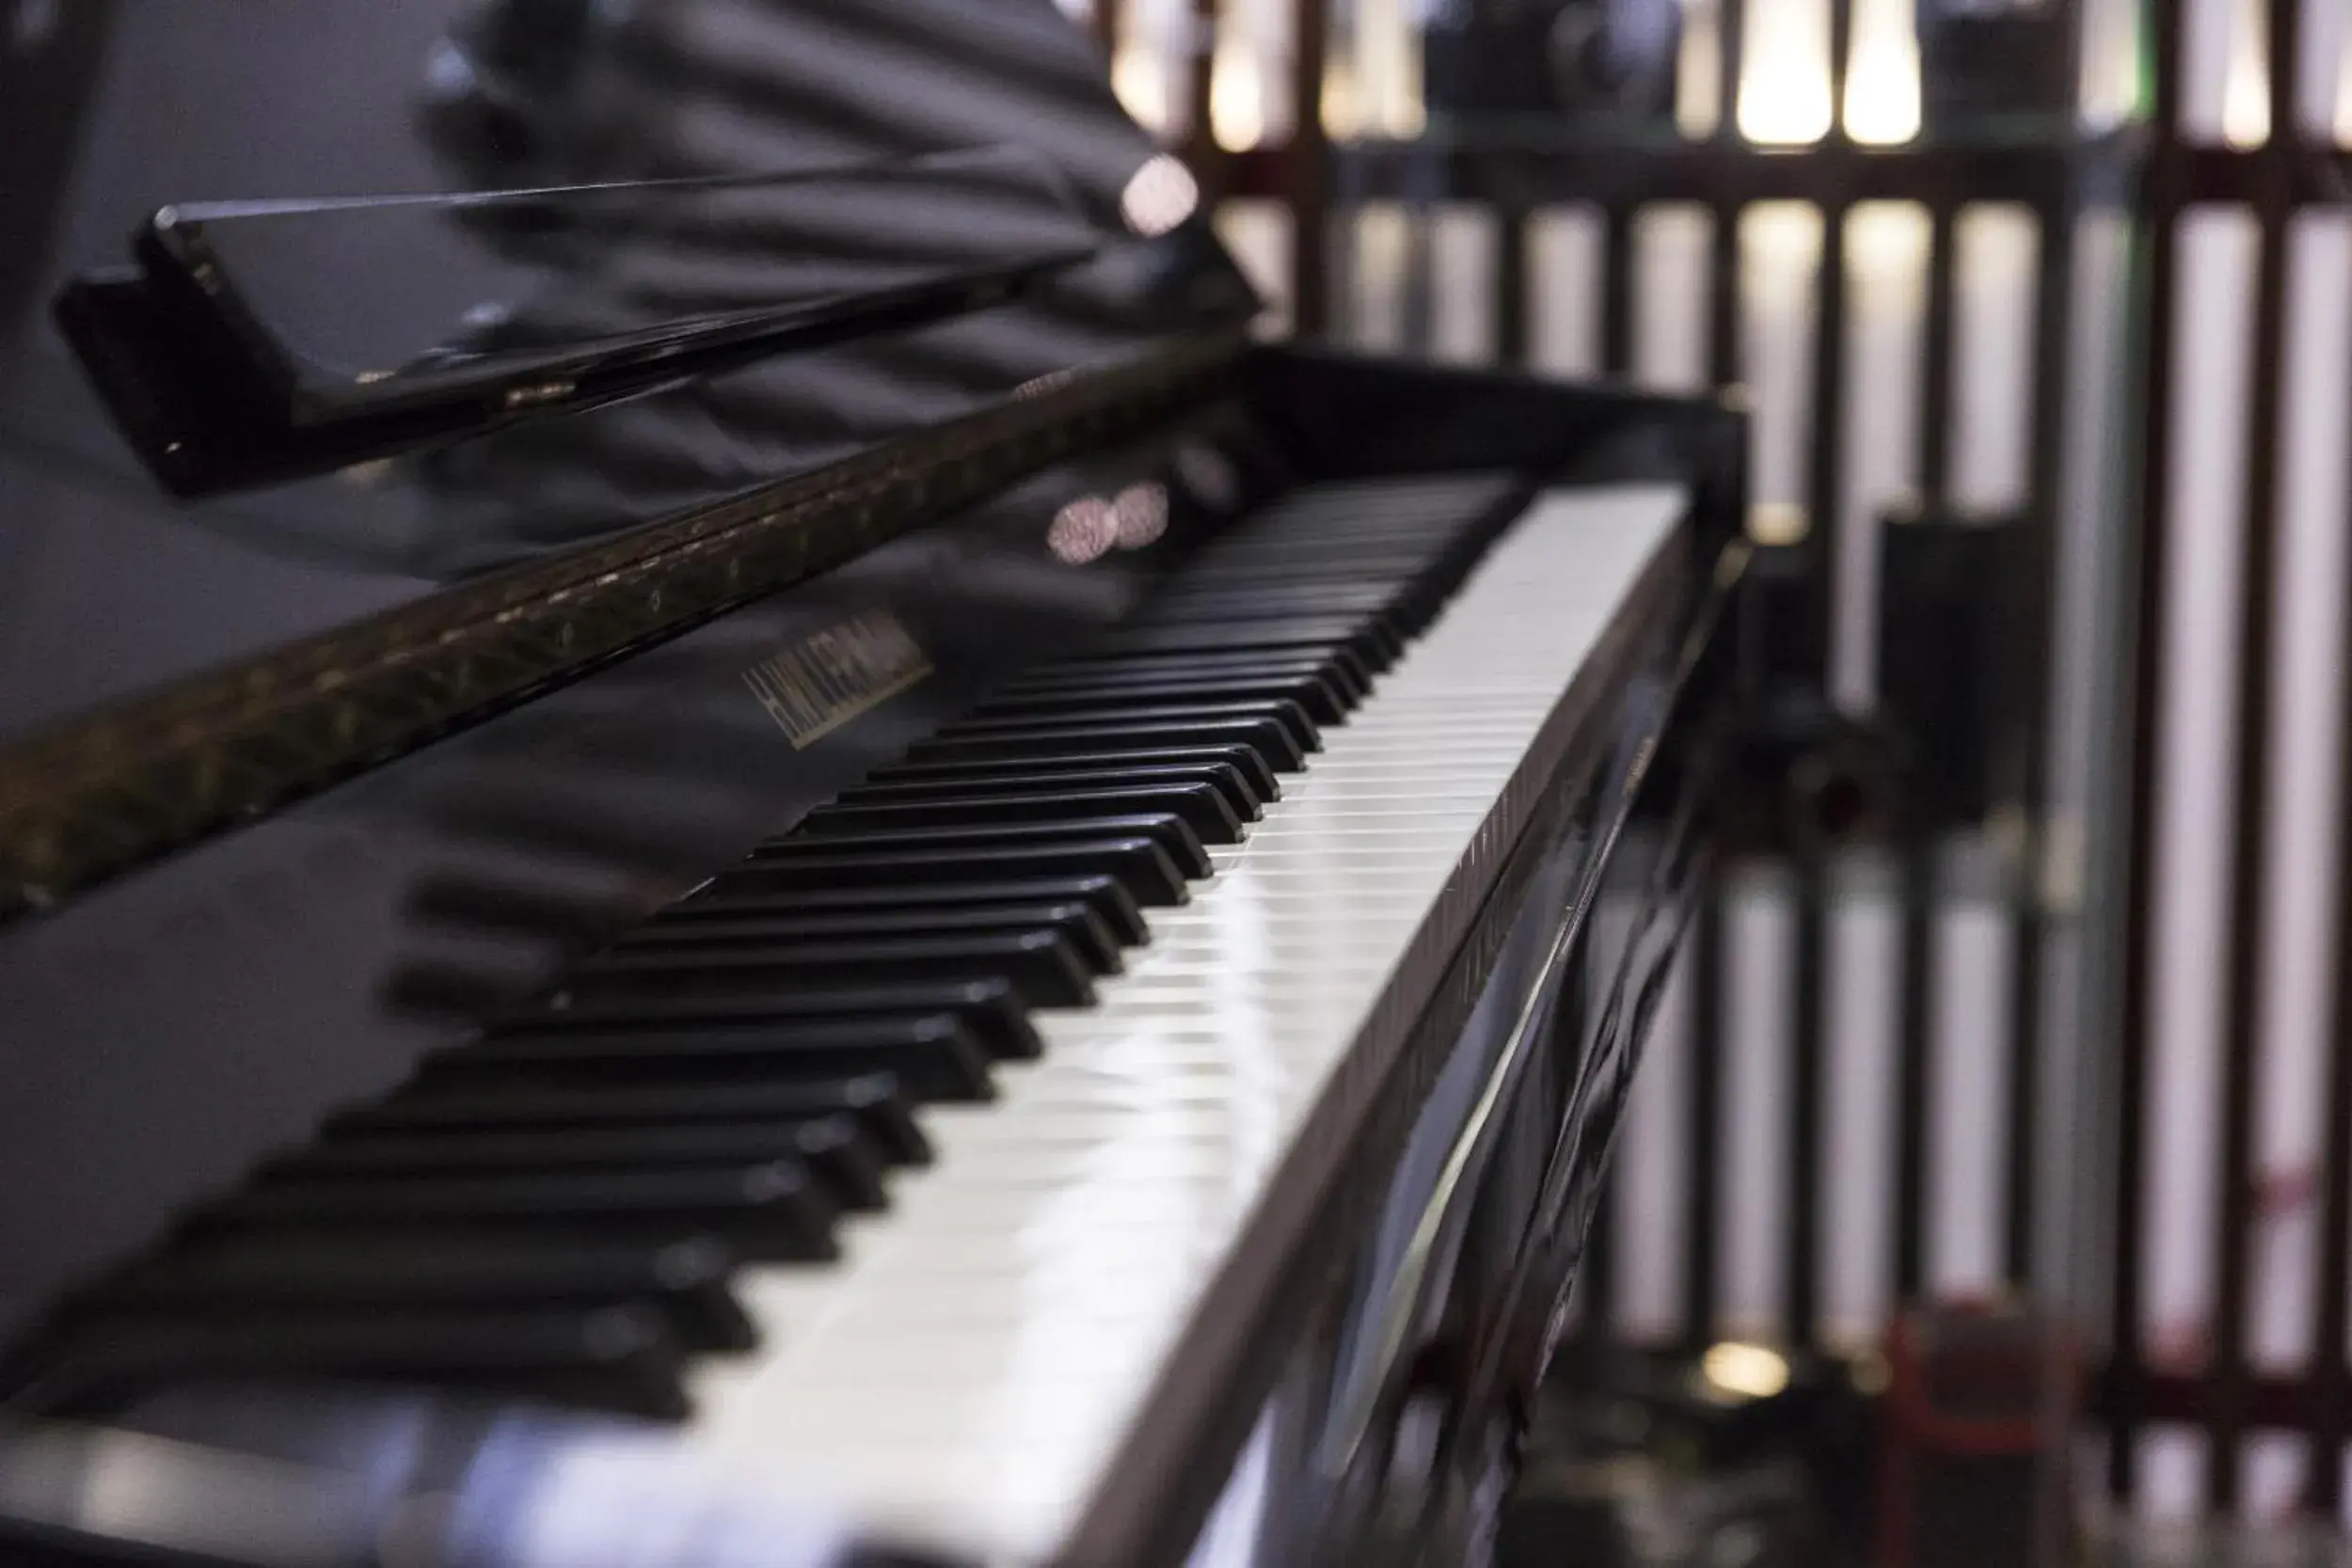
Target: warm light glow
1083	531
1159	196
2245	100
1747	1372
1784	82
2112	60
1886	243
1236	97
1342	117
2343	100
1882	76
1699	69
1781	242
1141	87
1778	523
1388	69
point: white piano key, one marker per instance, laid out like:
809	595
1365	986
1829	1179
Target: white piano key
964	1376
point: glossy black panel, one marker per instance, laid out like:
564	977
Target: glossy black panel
108	587
532	281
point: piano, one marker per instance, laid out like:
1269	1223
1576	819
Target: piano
728	837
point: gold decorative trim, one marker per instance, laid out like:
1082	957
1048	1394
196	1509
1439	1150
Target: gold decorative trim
93	798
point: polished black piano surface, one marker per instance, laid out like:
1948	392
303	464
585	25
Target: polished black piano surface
723	593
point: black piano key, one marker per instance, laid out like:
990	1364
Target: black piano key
1105	898
1404	565
1043	968
1276	750
1150	880
845	1160
1242	759
1409	598
622	1358
1312	697
1300	730
1371	651
1377	608
1166	829
834	1147
874	1101
772	1212
1232	788
685	1281
989	1011
1075	924
934	1056
1330	659
1342	688
1198	806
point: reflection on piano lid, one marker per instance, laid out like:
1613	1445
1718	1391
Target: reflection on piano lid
229	359
836	957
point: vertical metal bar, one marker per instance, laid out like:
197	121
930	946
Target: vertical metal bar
1703	1125
1915	859
1510	284
2249	868
1732	27
1722	292
1809	994
1916	864
1616	292
1306	173
1199	79
1703	1111
1828	400
1802	1315
1840	57
2034	675
2332	1378
1935	388
1916	870
2150	570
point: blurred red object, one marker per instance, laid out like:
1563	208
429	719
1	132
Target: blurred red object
1981	1398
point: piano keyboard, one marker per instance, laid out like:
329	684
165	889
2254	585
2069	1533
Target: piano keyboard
892	1161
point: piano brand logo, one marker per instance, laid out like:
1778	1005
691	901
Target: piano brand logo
829	678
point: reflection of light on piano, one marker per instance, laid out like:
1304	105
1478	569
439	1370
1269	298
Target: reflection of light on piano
1208	474
1141	515
1256	1080
1160	195
1083	530
1088	1287
1231	1538
1038	386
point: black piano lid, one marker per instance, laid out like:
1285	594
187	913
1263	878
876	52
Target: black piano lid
108	588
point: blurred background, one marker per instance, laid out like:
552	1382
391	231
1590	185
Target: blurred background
2018	1030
